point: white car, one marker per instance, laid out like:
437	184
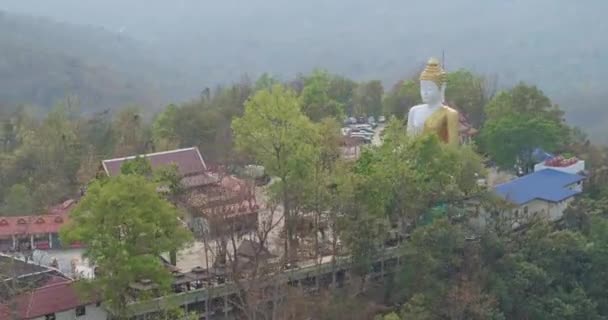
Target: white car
362	126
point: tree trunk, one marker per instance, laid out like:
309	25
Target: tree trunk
173	257
291	241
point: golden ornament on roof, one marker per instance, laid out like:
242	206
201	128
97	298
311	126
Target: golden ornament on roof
434	72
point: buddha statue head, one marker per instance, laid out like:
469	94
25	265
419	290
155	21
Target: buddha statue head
433	81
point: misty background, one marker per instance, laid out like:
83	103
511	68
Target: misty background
150	53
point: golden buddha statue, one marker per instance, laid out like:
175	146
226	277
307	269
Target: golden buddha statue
433	116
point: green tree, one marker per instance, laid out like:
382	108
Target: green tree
19	201
125	226
523	100
541	275
441	277
469	93
342	90
401	98
164	129
265	81
315	185
514	137
368	98
170	180
408	176
48	157
315	100
139	165
97	132
390	316
280	137
131	134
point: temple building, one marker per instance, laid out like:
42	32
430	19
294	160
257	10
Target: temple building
213	202
18	233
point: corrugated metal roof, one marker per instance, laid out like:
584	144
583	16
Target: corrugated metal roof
58	294
549	185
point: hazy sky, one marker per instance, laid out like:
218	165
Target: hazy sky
355	37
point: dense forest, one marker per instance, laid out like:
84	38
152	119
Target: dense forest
544	271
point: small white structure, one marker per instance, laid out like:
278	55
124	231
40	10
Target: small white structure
573	167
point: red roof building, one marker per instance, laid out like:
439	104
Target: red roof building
52	296
210	196
188	161
37	231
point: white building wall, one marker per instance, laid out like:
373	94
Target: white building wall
573	169
551	211
92	313
536	208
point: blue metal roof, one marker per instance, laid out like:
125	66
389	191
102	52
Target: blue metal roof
548	184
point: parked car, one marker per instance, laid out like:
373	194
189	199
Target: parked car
381	119
363	130
362	126
365	137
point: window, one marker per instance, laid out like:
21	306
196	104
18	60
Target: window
525	210
50	316
516	214
81	311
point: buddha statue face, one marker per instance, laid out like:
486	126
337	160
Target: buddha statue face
433	83
430	93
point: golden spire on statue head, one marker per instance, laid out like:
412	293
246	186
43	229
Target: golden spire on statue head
434	72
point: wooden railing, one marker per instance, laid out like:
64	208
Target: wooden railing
310	269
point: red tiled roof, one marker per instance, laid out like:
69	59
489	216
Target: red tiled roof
188	161
56	295
37	224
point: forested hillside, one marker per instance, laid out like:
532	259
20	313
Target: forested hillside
554	44
43	61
